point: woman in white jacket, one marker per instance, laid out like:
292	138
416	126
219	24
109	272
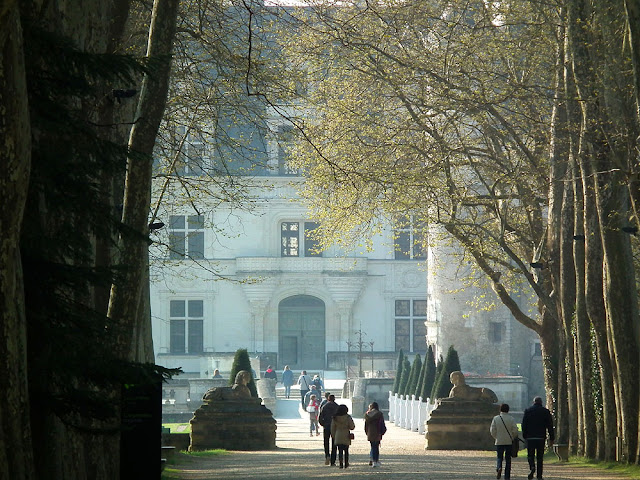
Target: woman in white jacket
504	430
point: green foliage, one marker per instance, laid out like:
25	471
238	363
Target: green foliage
626	470
443	384
438	374
420	381
406	373
429	374
400	366
414	374
241	361
208	453
178	427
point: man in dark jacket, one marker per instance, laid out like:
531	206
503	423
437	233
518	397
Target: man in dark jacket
327	411
536	422
270	373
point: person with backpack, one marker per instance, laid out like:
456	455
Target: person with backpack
304	381
327	411
375	428
317	381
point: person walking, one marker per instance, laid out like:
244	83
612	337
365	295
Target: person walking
317	381
536	422
504	430
287	380
304	382
341	425
270	373
327	411
375	428
307	395
325	399
313	408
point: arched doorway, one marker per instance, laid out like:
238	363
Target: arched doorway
301	333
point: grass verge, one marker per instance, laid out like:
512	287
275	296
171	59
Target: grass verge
178	427
631	471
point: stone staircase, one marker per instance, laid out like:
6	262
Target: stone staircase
333	380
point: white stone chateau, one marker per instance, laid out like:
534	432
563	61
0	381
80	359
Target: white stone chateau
227	278
280	298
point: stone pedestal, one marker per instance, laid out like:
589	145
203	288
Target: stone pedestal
243	424
461	425
267	392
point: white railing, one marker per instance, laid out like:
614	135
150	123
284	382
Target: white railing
409	412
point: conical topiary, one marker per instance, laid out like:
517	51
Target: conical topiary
241	362
451	364
418	391
416	367
429	374
406	371
439	367
400	365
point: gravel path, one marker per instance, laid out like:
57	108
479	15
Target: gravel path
402	454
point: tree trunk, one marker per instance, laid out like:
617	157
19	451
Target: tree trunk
16	456
126	294
567	308
612	204
587	431
550	340
595	308
620	303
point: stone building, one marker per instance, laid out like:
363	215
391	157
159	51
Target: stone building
261	285
226	276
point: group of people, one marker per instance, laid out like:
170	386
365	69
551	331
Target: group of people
337	425
536	422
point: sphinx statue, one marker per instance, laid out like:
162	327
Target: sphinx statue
462	391
231	418
460	421
237	391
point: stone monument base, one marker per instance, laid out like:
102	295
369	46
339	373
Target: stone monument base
461	425
243	424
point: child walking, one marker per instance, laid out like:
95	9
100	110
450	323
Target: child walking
313	408
341	424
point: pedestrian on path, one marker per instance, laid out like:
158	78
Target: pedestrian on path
307	395
313	408
287	380
327	411
319	384
304	382
341	426
536	421
375	428
270	373
504	430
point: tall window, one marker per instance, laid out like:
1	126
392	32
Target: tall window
193	159
496	331
292	245
411	332
186	331
284	138
408	240
186	238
